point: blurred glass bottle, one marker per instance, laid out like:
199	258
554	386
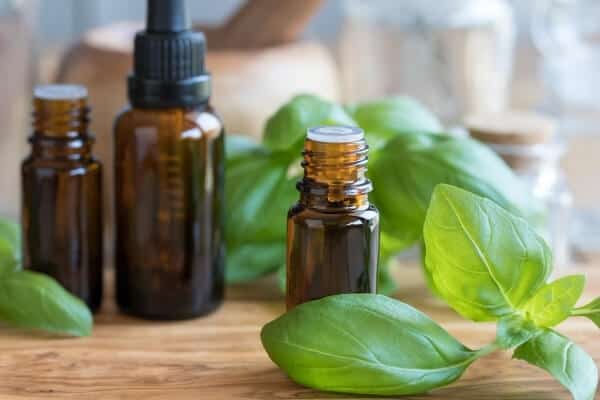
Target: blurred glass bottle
530	145
567	34
456	56
17	69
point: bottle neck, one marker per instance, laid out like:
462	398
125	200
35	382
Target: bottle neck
335	176
71	148
60	128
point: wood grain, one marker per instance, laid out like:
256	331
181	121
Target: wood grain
220	357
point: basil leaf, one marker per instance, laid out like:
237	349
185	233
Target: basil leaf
258	194
35	301
591	311
10	246
239	145
554	302
564	360
286	130
282	278
484	261
364	344
411	165
386	118
250	261
385	282
513	331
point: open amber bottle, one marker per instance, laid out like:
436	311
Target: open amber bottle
169	176
62	194
333	231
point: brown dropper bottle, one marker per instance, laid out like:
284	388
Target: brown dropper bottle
333	231
62	194
169	175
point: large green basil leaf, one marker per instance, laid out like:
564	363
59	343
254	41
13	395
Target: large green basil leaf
364	344
564	360
35	301
258	195
386	118
10	246
514	330
554	302
408	168
286	130
484	261
591	311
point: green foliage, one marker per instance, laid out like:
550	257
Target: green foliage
485	262
384	119
258	194
481	254
285	131
407	160
564	360
591	311
554	302
29	300
10	246
410	166
35	301
488	265
365	344
513	331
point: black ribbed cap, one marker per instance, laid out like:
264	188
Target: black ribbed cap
169	68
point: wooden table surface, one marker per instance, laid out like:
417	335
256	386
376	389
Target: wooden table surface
221	357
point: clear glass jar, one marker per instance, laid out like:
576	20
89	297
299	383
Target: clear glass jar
567	35
16	70
539	166
455	56
528	142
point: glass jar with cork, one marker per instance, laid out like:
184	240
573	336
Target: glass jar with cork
529	144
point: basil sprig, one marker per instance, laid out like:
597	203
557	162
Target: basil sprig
34	301
487	264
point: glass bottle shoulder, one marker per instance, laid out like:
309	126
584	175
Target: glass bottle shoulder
303	215
54	166
191	123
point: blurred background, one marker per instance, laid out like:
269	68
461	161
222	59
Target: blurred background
520	75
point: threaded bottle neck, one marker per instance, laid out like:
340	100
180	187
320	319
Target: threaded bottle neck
60	112
335	166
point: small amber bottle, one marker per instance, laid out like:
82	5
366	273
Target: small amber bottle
333	231
169	176
62	194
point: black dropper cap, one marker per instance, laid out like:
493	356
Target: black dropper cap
169	68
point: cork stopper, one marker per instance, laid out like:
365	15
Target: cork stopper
524	140
511	128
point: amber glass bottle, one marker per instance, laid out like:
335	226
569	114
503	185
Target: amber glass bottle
62	194
333	231
169	174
